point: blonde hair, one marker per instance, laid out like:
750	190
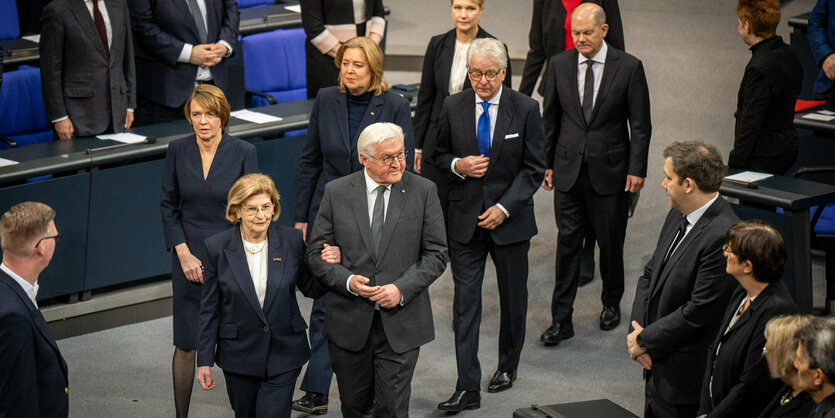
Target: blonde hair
781	344
212	99
22	224
248	186
373	56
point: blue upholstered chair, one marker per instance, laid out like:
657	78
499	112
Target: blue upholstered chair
9	26
245	4
274	67
22	114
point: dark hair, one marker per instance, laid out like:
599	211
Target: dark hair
760	244
697	161
818	341
763	15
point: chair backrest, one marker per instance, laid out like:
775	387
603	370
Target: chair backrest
9	25
22	110
274	63
245	4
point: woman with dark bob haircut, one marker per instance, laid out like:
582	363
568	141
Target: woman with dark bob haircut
737	383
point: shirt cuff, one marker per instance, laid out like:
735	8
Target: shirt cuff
419	150
454	171
130	110
506	213
59	119
348	285
228	48
185	54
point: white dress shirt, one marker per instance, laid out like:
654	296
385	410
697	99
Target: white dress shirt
103	9
203	73
371	197
599	61
258	269
31	290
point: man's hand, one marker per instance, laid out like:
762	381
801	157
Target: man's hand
204	377
201	54
192	267
491	218
128	119
645	361
331	254
64	129
829	67
388	297
548	181
418	158
634	184
635	350
472	166
303	227
219	51
357	284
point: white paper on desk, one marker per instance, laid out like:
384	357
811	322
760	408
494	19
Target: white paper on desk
36	38
748	176
255	117
817	116
294	8
123	137
4	162
826	112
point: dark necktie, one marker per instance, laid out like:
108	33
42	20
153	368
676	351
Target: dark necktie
99	21
588	91
483	134
682	228
377	218
198	20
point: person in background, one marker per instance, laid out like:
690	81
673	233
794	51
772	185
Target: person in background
445	73
764	136
199	170
736	382
87	72
328	24
338	117
821	34
815	363
780	351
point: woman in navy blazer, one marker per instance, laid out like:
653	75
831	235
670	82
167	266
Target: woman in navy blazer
250	323
199	170
339	115
441	78
737	382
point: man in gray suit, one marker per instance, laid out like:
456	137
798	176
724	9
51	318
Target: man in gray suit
87	72
389	227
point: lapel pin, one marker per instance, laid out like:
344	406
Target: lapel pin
403	190
372	113
277	259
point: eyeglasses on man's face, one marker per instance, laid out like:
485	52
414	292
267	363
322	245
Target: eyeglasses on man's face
388	159
477	74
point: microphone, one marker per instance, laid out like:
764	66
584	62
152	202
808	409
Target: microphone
150	139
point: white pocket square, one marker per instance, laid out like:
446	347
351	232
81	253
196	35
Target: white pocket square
511	136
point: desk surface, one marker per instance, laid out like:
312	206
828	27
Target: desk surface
19	51
815	125
785	192
799	22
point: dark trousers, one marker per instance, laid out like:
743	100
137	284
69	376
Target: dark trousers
149	112
467	261
574	209
441	182
374	381
317	377
253	396
655	407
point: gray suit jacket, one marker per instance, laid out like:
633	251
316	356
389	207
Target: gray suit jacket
78	78
413	253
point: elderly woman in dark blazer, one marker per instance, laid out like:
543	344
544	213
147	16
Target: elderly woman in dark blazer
339	115
445	73
250	323
199	170
780	351
736	382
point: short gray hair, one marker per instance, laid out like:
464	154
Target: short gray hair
376	133
489	48
818	342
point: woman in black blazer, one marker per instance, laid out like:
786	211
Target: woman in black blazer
250	323
780	351
199	170
736	382
445	73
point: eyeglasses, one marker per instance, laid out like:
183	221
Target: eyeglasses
476	75
253	210
56	237
388	159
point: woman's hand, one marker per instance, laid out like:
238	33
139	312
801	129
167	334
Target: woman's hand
204	378
331	254
192	267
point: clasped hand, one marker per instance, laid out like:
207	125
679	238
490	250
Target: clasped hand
387	296
636	352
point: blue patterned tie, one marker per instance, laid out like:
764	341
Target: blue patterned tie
483	134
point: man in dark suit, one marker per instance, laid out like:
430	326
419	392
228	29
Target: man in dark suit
815	363
33	374
684	289
490	146
389	228
597	133
180	43
87	72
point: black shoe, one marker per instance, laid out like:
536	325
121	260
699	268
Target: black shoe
610	318
312	403
557	332
584	280
461	400
501	381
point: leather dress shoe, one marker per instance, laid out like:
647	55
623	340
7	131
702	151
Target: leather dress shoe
461	400
312	403
584	280
610	318
501	381
557	332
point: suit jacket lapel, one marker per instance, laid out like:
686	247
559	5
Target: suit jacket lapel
660	274
371	116
360	204
447	55
237	263
275	268
609	70
397	199
503	118
87	25
188	18
340	114
468	113
571	63
114	11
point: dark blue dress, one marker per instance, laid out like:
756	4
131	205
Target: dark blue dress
193	209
